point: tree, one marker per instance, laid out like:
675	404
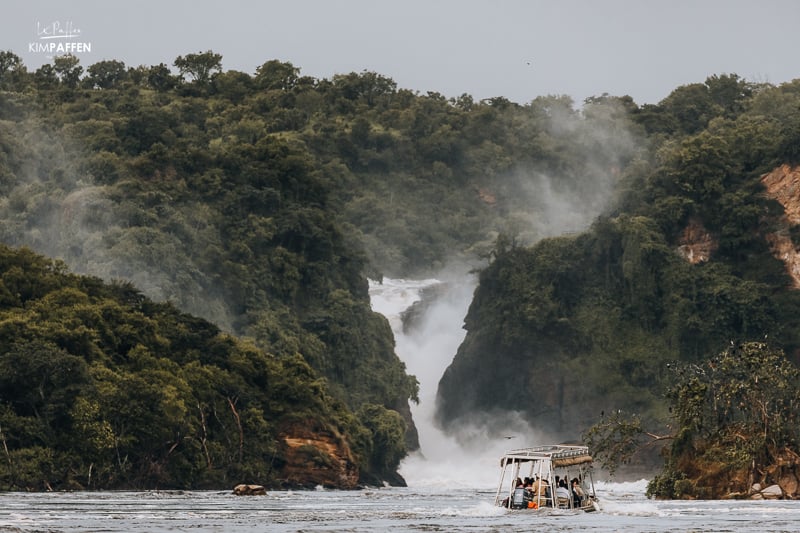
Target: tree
691	106
41	380
12	71
200	66
618	438
45	77
368	87
733	416
233	85
276	74
729	92
106	74
68	70
387	428
8	62
160	78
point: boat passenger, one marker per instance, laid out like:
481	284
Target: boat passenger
521	496
577	492
541	490
562	494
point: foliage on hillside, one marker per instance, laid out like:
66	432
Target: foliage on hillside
577	326
736	423
260	202
202	193
104	388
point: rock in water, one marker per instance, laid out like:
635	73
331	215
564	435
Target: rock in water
249	490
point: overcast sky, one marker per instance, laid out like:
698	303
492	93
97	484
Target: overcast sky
515	49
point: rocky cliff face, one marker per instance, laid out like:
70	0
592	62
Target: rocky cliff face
314	455
696	244
783	185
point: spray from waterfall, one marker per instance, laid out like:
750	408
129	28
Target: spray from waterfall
427	349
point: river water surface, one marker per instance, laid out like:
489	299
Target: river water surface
624	508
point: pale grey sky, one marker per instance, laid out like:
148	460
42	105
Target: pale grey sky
515	49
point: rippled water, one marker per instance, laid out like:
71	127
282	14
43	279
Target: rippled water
625	508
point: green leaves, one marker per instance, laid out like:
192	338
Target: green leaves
735	413
615	439
199	66
118	391
388	436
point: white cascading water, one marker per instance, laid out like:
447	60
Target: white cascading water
427	351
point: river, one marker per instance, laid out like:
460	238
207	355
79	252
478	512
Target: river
451	482
624	508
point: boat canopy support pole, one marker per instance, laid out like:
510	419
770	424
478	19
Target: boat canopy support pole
500	485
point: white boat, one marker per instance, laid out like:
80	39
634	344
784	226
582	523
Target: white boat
530	479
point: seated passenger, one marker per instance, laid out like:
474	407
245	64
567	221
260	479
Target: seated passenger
541	491
562	494
577	493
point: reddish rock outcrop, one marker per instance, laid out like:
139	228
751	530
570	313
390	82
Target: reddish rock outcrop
316	455
486	196
696	244
784	472
783	185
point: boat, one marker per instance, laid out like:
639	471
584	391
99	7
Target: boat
543	468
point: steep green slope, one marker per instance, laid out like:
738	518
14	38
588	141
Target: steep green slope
103	388
198	198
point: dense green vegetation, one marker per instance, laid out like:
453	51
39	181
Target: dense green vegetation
735	425
581	325
737	417
207	199
262	203
102	387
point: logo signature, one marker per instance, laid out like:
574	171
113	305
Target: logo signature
55	30
58	37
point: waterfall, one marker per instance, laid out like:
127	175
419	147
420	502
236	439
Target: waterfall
427	350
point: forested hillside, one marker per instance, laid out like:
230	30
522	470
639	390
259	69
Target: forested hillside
203	197
104	388
685	265
262	203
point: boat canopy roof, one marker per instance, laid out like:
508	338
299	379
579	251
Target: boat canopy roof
558	455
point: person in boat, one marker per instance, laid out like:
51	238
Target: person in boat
526	484
521	495
577	492
540	490
518	484
562	494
